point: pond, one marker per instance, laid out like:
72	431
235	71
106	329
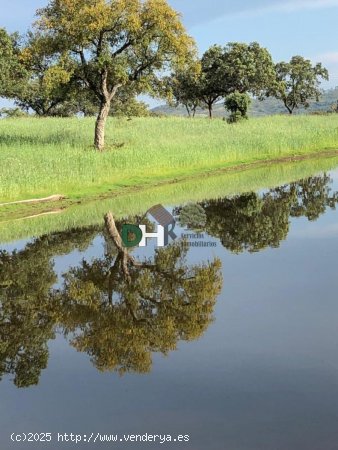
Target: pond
226	338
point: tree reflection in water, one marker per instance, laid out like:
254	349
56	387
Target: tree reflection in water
252	222
115	309
27	316
119	310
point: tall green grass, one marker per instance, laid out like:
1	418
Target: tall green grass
40	157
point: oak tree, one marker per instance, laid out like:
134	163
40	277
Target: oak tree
212	85
297	82
237	67
114	44
184	86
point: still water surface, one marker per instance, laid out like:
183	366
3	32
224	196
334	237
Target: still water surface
233	342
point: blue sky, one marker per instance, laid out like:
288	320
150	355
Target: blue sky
285	27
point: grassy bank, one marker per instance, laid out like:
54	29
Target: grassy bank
26	221
41	157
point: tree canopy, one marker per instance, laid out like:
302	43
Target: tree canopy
236	67
184	86
12	72
297	82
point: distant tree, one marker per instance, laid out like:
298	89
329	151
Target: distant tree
237	104
334	107
297	82
212	79
124	105
114	44
237	67
11	113
185	88
248	68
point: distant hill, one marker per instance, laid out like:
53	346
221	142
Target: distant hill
258	108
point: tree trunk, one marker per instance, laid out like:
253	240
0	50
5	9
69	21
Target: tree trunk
288	108
113	231
123	254
210	110
101	125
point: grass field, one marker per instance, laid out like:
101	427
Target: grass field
41	157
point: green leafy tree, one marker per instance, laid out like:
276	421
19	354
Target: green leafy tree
247	68
212	86
125	105
237	104
185	88
49	84
237	67
114	44
298	82
34	79
12	72
80	100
